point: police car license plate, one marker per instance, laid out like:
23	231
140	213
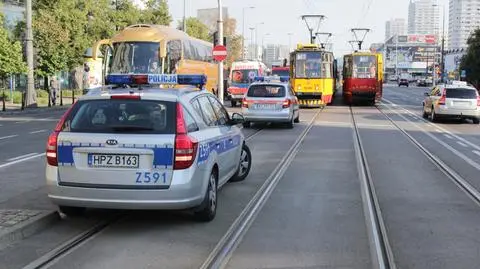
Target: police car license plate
97	160
265	106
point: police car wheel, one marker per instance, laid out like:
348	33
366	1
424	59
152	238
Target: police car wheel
425	114
208	209
476	121
290	123
72	211
246	124
297	119
234	103
244	165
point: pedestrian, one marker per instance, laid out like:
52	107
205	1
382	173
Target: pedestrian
53	90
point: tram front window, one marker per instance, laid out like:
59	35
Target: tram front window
136	58
307	65
364	67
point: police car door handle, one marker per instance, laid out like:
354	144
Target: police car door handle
230	140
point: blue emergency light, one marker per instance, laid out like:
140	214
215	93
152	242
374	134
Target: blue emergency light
157	79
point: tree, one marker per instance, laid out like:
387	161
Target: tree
11	55
471	60
195	28
156	12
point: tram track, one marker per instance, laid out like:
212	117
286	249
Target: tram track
381	252
51	257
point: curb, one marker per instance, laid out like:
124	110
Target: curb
33	110
27	228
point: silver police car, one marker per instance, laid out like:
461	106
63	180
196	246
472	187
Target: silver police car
145	148
454	100
270	99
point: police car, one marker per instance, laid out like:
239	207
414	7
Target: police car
271	99
145	147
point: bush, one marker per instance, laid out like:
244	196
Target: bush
42	94
17	96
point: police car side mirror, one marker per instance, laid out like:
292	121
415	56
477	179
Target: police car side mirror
237	119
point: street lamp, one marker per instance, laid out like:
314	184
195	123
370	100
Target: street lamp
251	41
263	46
442	62
243	30
220	42
290	41
256	37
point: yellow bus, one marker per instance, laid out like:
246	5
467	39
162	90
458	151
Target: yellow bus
312	75
158	49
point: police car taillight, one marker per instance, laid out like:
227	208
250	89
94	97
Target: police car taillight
52	149
185	145
244	102
286	103
478	100
442	99
52	142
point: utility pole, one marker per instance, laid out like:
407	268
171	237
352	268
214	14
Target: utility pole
184	16
31	95
243	30
251	42
220	42
256	39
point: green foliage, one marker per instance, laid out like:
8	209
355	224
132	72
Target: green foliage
195	28
17	96
234	49
64	29
11	55
471	60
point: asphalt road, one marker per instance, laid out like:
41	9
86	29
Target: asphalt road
315	216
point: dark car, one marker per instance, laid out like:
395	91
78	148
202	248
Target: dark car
422	82
403	81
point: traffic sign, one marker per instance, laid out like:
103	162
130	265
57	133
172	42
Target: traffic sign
219	53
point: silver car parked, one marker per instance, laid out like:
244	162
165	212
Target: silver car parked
145	149
270	101
456	100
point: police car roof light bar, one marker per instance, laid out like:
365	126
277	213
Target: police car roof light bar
157	79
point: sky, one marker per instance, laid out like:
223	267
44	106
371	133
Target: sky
284	16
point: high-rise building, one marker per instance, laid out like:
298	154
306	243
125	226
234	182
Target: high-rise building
395	27
423	17
271	54
209	17
464	18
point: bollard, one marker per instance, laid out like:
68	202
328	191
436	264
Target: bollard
73	96
61	97
23	99
49	98
3	102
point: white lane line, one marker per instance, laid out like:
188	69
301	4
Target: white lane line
7	137
462	144
24	121
476	152
448	136
438	130
441	129
22	156
39	131
1	125
21	160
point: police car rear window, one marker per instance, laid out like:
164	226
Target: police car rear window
122	116
266	91
462	93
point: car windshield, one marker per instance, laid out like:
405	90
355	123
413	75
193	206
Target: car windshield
461	93
268	91
365	67
244	75
122	116
308	65
135	58
281	73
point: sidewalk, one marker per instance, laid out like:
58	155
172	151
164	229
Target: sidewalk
14	109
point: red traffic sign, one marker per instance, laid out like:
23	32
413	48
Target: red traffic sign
219	53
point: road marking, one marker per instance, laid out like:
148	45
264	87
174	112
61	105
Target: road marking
438	130
9	136
39	131
24	121
448	136
21	160
476	152
22	156
441	129
462	144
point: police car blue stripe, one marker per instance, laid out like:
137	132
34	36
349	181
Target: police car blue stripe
224	145
162	155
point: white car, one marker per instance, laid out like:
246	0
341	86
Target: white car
456	100
145	148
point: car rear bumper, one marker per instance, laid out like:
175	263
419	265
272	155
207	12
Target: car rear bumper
236	97
181	194
278	116
457	113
